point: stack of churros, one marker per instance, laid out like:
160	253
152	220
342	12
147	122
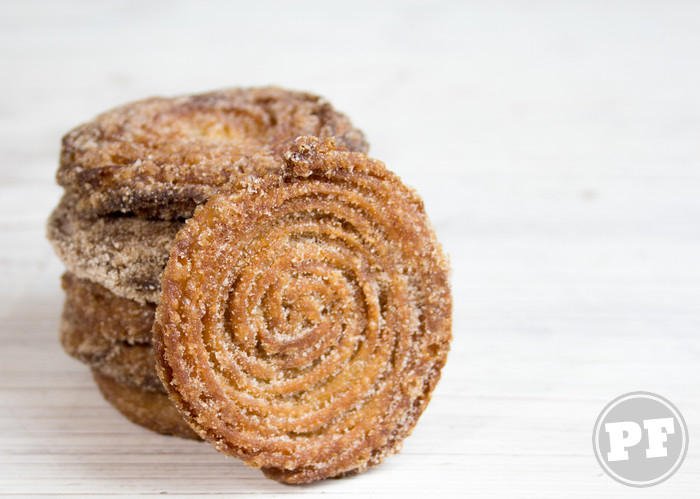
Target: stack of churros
238	270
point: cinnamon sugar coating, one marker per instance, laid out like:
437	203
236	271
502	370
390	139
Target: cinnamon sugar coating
152	410
110	334
124	254
305	317
160	157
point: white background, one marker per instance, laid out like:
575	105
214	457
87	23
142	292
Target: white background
557	146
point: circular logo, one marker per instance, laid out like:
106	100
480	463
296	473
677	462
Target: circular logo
640	439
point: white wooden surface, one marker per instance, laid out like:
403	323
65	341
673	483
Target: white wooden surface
557	147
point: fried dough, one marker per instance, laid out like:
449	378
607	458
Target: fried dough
152	410
126	255
161	157
304	321
110	334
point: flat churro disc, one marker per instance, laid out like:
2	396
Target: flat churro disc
110	334
124	254
160	157
305	317
152	410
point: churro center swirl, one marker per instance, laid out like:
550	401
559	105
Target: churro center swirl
305	318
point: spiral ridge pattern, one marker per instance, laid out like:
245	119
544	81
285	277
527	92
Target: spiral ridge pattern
305	317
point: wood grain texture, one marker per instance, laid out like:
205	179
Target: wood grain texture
556	146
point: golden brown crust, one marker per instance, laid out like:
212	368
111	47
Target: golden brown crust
110	334
151	410
304	319
124	254
160	157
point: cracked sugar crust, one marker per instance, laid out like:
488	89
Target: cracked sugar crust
152	410
160	157
304	320
110	334
126	255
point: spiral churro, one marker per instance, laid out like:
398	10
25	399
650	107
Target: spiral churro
305	317
160	157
